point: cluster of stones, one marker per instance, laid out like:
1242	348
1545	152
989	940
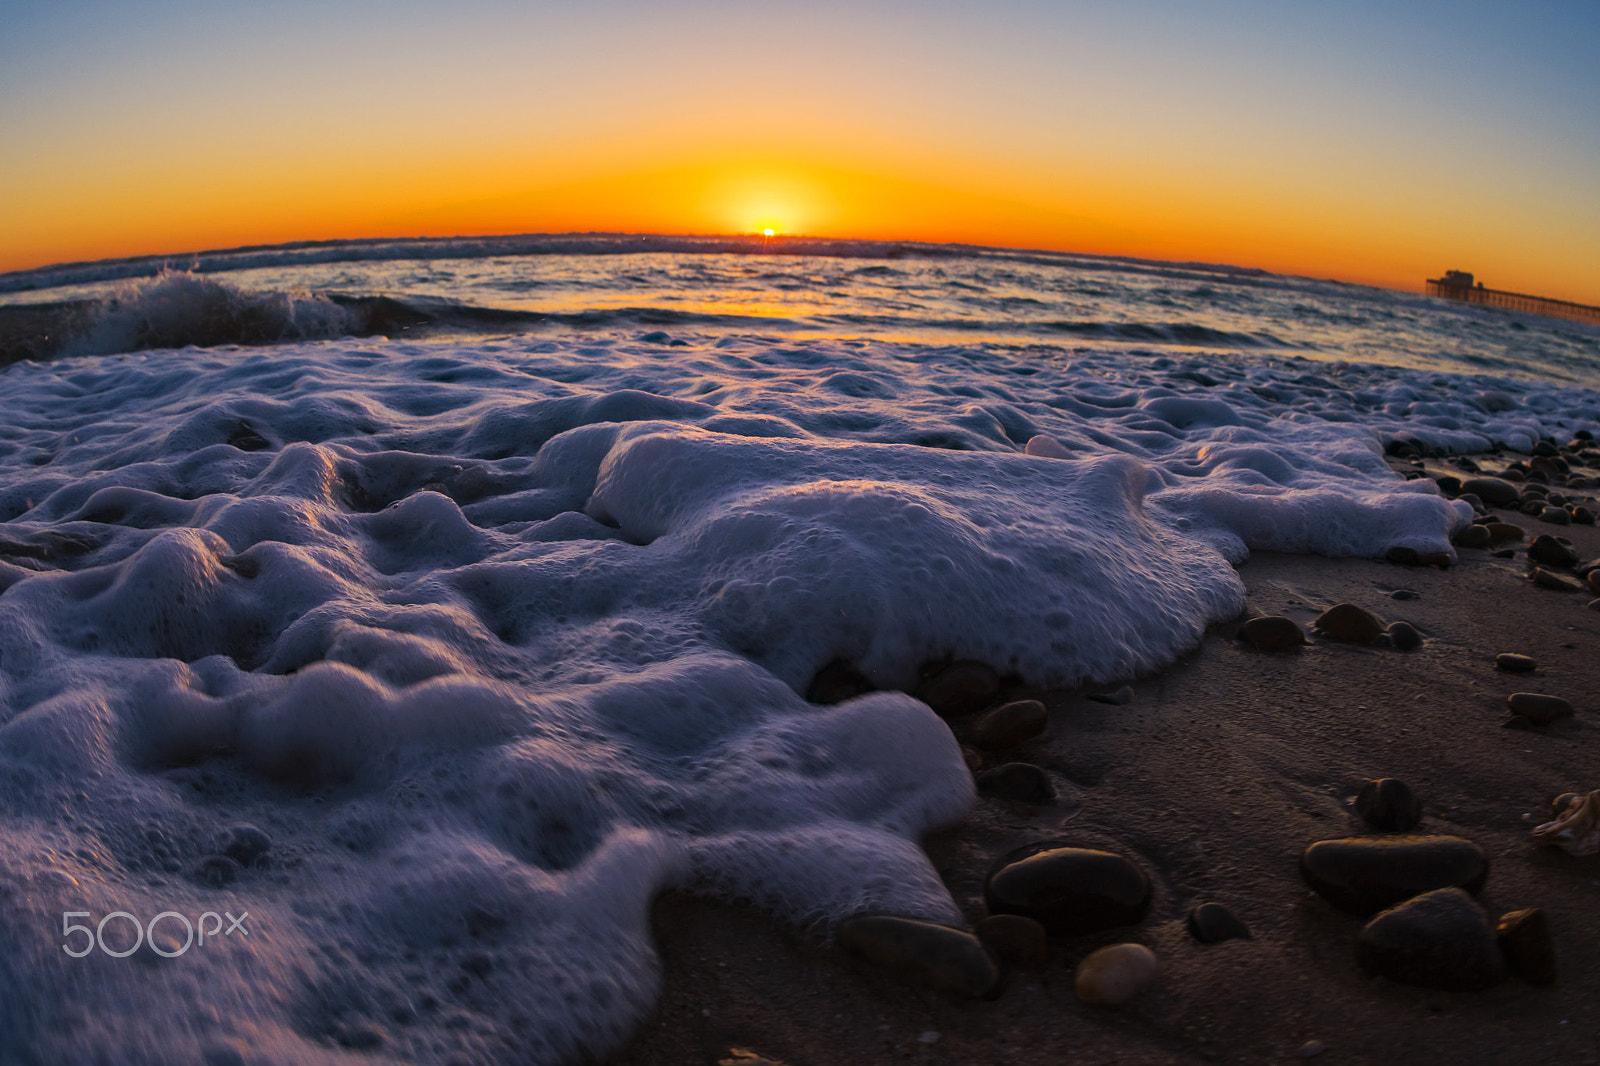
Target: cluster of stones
1047	890
1543	487
1345	623
1424	927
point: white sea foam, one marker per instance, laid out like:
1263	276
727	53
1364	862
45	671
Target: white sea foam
497	642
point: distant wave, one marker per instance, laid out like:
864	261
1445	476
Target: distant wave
302	253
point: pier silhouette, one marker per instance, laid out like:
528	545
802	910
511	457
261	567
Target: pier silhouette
1458	285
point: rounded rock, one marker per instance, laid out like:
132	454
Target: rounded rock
1388	805
1528	947
1549	579
1494	491
1015	940
1556	516
1019	781
1366	874
1440	939
1512	663
1349	624
1404	636
951	960
1539	708
1504	532
1473	536
1272	633
1069	890
1115	974
1212	923
1549	551
959	688
1009	725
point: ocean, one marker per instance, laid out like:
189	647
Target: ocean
436	604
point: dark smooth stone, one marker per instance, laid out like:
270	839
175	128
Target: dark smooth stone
1448	484
1388	805
1549	579
1212	923
1440	939
1507	554
1583	516
1592	579
1516	721
1069	890
1117	697
1015	940
1527	945
1009	725
1366	874
837	682
1545	449
1512	663
1497	492
1402	556
1404	636
1531	507
952	960
1549	551
1272	633
1405	594
960	688
1504	532
1349	624
1019	781
1556	516
1539	708
1476	537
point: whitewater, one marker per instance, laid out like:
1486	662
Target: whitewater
442	604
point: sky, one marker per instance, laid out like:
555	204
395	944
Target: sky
1375	142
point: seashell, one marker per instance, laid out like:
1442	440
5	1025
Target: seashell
1576	829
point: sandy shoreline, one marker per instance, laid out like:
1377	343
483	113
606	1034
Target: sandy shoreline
1215	778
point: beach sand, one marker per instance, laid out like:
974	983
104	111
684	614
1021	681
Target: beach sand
1215	778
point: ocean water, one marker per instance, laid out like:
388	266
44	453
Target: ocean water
441	611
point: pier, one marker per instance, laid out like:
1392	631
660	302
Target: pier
1458	285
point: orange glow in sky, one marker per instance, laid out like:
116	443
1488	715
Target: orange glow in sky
1381	150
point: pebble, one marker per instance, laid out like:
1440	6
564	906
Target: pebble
1366	874
1387	804
1549	579
1538	708
1512	663
1551	552
959	688
1402	556
1009	725
1116	697
1473	536
1494	491
1212	923
1593	581
1272	633
1015	940
1404	636
1068	890
952	960
1311	1049
1527	945
1405	594
1440	939
1556	516
1504	532
1583	516
1348	623
1114	975
930	1036
1020	781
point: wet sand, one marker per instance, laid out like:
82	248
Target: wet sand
1215	778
